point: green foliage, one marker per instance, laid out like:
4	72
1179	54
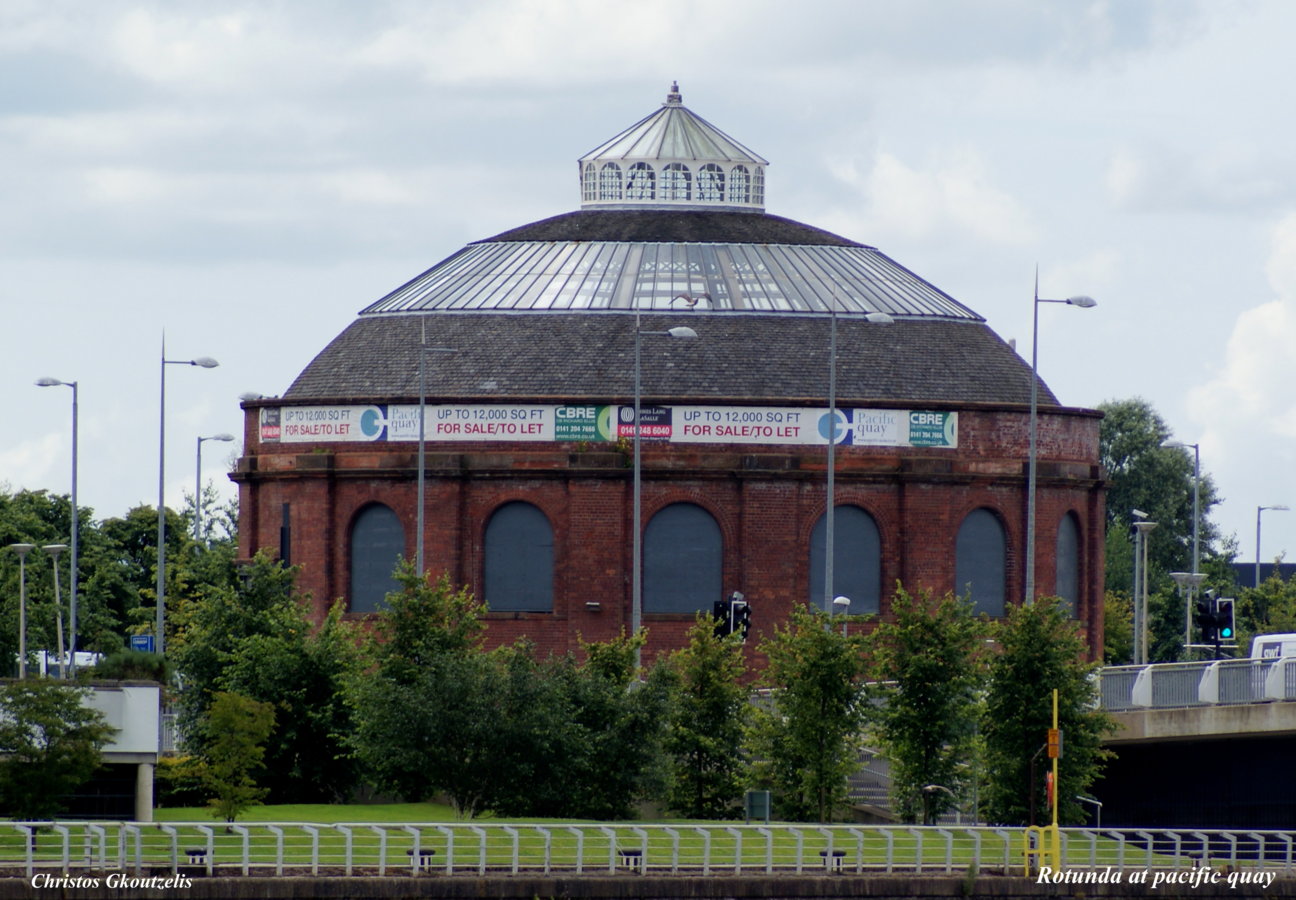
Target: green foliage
424	716
928	660
236	730
179	781
807	742
1144	475
49	744
252	635
622	724
708	720
1118	629
129	665
1269	608
1041	649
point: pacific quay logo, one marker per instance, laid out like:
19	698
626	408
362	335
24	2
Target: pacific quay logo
373	423
835	426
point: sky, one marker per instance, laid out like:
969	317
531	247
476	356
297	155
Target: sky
240	179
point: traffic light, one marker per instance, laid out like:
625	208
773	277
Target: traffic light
1206	620
1224	619
742	617
720	613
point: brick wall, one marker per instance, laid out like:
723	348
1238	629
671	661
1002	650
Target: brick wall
765	500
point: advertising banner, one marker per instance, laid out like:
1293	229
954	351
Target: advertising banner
593	423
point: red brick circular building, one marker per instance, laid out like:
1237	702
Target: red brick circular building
528	343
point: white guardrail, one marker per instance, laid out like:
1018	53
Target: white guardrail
1164	685
48	850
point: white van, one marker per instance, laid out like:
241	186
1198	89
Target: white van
1273	646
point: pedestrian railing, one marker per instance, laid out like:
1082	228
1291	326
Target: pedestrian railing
1218	682
196	849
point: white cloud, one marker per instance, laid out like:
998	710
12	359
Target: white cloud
1247	411
952	194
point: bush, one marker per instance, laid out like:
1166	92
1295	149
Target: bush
131	665
179	781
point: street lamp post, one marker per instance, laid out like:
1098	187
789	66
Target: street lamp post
1084	303
841	607
636	564
22	550
1096	804
1196	531
830	432
1140	590
1196	449
205	362
198	528
1189	581
72	597
1260	509
424	350
54	550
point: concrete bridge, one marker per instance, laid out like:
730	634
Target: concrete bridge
1201	700
1201	744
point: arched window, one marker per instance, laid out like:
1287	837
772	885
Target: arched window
1068	563
682	558
588	183
710	183
519	560
857	560
641	184
377	544
758	186
676	182
739	185
610	182
979	562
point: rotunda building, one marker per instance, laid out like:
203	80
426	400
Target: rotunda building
504	383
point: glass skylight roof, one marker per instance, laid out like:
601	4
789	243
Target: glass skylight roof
613	275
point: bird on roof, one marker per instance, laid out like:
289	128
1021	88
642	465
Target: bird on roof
691	300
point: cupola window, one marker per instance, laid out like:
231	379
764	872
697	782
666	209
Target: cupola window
642	183
676	182
710	183
739	185
610	182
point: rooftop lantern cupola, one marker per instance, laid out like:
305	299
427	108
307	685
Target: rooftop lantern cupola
672	159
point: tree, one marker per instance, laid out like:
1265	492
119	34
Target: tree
621	723
251	635
1118	629
424	716
807	743
1144	474
237	728
1041	649
708	720
50	743
928	658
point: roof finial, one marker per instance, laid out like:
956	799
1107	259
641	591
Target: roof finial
673	98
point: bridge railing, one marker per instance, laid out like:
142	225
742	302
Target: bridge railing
196	849
1208	683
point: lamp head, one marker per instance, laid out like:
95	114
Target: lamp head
879	318
682	331
47	382
22	549
1082	301
205	361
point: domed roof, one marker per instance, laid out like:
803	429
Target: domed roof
546	310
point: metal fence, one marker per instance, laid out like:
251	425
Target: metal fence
201	849
1218	682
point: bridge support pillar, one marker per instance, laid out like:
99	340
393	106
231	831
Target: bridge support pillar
144	793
